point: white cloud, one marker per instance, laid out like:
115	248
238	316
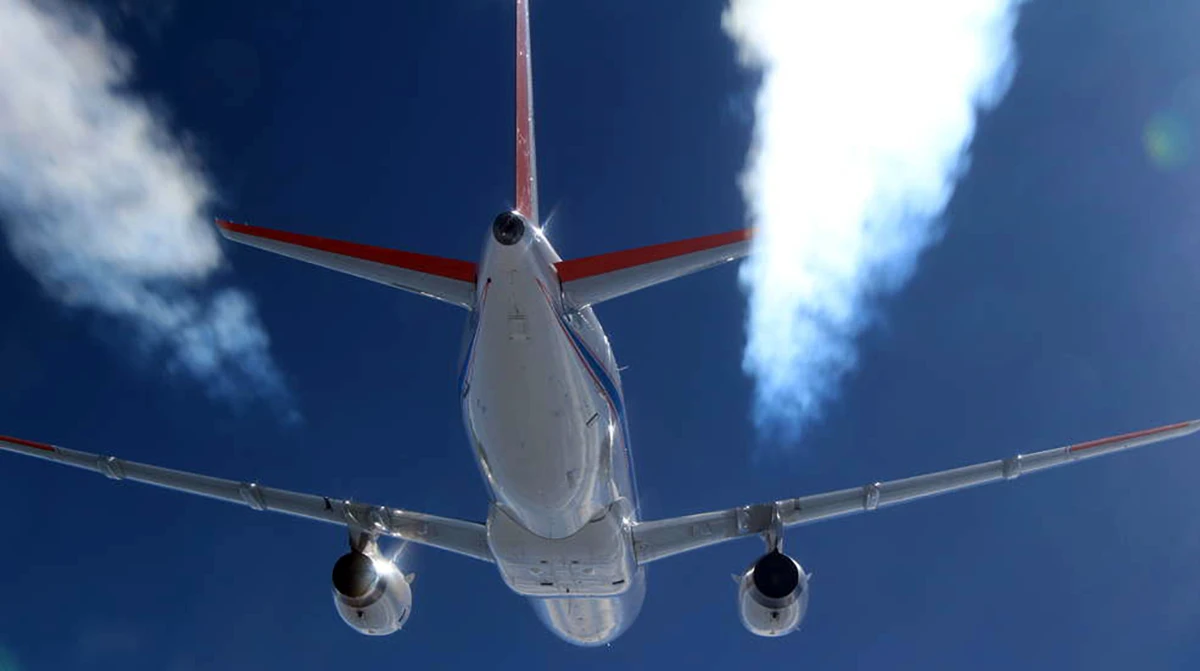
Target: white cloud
862	124
106	209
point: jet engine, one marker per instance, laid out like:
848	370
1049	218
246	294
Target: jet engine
773	595
371	594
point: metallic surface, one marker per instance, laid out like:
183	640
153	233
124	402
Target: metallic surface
594	279
592	621
466	538
526	187
663	538
544	412
448	280
545	416
596	561
775	614
385	602
541	398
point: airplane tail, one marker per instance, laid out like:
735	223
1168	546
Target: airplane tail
449	280
594	279
526	150
585	281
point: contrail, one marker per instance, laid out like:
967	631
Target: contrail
863	119
106	209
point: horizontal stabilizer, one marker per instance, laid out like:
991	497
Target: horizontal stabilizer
448	280
593	279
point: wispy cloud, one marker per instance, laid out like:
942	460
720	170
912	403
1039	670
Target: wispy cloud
862	123
107	210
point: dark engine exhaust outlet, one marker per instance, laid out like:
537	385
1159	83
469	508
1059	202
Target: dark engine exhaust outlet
370	593
354	575
773	595
508	228
776	575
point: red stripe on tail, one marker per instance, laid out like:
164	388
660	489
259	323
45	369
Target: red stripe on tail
423	263
526	152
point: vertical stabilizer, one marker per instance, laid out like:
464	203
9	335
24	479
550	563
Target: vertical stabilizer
527	199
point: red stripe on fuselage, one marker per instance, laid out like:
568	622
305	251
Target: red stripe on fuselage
28	443
1125	436
606	263
422	263
526	170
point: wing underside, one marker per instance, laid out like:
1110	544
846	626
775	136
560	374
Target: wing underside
462	537
662	538
448	280
593	279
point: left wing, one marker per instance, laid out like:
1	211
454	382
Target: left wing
663	538
465	538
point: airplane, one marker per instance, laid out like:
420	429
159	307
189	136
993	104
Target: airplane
543	408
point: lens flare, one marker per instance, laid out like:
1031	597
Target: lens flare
1167	140
7	661
401	556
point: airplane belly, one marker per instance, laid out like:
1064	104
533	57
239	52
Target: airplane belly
542	430
587	588
589	621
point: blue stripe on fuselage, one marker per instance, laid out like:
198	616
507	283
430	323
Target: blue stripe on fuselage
617	400
593	365
601	374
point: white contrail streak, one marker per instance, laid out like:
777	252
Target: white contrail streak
863	119
105	208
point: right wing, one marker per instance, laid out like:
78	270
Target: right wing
448	280
663	538
465	538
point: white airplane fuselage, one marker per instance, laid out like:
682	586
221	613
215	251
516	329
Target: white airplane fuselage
544	412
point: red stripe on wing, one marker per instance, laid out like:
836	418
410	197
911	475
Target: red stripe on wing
1125	436
28	443
606	263
433	265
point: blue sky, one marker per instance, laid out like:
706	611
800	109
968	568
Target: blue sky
1057	307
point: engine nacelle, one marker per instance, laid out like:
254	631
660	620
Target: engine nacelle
371	594
773	595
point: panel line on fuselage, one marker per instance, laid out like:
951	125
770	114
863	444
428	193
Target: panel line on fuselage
608	387
597	370
469	357
605	385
